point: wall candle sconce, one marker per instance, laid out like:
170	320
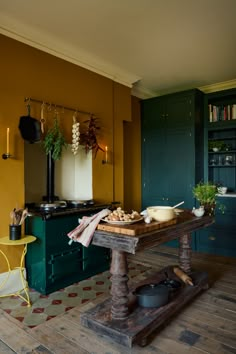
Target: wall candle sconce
105	161
7	154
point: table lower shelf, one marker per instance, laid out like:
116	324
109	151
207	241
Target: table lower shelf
141	321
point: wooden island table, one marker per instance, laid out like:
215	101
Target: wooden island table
119	317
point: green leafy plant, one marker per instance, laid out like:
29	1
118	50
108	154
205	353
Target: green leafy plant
206	195
54	141
218	144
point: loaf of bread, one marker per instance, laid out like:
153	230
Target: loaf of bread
183	276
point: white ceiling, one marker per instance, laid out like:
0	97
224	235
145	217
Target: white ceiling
154	46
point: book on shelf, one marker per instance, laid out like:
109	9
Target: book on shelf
221	112
233	111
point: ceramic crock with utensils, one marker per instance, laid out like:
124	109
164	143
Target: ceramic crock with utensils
18	216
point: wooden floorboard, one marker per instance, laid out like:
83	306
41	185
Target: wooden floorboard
206	325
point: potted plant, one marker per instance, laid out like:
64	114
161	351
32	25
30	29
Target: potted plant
216	145
206	194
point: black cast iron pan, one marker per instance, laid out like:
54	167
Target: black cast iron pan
30	128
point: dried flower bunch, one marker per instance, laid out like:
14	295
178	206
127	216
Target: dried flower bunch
89	137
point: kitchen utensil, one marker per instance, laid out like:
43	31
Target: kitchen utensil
12	216
23	216
152	295
183	276
30	127
175	206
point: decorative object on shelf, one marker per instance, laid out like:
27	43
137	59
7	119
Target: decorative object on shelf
89	137
54	140
199	212
75	134
222	190
7	155
216	145
228	160
206	194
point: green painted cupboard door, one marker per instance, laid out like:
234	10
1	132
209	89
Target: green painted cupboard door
172	127
180	166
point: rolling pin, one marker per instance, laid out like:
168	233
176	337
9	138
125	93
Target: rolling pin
183	276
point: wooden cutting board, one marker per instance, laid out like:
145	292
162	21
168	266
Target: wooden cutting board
135	229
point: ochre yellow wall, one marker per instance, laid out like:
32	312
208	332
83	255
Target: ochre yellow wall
132	159
29	72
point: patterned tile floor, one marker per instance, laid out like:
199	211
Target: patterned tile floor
45	307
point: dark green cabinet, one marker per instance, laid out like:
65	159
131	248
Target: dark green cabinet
52	263
220	238
172	148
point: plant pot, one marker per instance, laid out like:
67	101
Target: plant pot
209	208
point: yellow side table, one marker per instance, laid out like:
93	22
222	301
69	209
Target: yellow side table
23	241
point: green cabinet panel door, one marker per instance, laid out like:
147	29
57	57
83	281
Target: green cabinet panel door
172	148
52	263
217	240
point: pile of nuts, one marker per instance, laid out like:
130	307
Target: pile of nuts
120	215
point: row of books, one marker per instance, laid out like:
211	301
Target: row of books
223	112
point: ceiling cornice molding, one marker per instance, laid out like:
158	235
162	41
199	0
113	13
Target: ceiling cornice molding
142	92
75	56
219	86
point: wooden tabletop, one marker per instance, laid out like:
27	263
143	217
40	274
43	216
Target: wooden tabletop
185	223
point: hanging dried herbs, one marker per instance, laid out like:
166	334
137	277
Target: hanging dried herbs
89	137
54	140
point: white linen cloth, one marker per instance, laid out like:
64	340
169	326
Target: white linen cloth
83	233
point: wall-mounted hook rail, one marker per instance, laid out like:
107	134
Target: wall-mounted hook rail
30	99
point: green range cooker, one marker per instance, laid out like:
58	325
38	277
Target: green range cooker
51	262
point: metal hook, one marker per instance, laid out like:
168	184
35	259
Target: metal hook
75	115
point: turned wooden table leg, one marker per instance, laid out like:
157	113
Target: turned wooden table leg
119	285
185	252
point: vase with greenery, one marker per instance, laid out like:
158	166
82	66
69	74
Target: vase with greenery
54	141
206	194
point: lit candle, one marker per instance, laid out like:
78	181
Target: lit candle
106	154
8	136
